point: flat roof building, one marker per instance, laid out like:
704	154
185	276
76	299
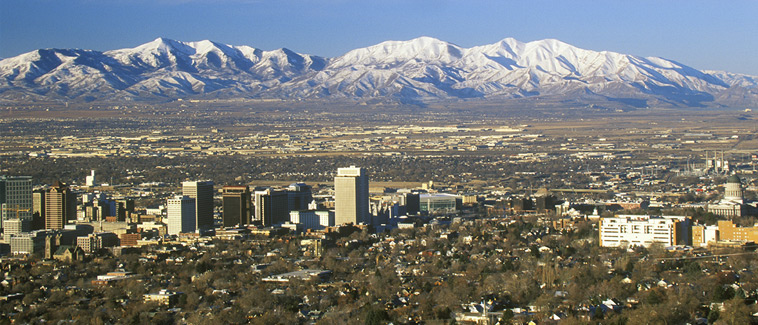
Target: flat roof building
271	207
439	203
351	196
181	215
202	192
642	230
60	206
236	205
29	243
302	275
299	195
15	198
313	219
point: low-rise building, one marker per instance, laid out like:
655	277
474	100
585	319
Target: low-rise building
16	226
163	297
67	253
111	277
303	275
129	239
439	203
728	231
702	235
313	219
634	230
28	243
93	242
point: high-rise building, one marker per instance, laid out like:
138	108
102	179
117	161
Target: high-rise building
60	206
351	196
236	204
271	207
181	215
412	202
124	209
202	192
90	180
299	195
38	209
15	198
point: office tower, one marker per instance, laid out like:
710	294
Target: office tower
90	180
103	207
236	204
181	215
412	203
351	196
124	209
271	207
92	212
299	195
38	209
15	198
60	206
202	192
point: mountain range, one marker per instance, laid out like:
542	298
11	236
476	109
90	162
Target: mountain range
420	70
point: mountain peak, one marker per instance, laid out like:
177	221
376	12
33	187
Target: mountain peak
422	49
419	69
427	41
162	45
161	42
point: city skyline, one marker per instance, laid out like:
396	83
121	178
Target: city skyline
703	34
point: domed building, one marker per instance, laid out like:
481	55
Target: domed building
733	189
733	203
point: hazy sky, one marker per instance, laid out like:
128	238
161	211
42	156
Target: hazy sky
719	35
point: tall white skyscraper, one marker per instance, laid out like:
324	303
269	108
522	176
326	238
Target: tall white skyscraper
90	180
15	197
351	196
181	215
202	192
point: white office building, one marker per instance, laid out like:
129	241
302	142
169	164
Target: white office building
181	215
634	230
90	180
351	196
314	220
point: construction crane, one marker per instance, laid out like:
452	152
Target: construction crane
17	209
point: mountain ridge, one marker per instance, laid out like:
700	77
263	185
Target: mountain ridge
420	70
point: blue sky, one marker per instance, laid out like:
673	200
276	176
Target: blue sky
719	35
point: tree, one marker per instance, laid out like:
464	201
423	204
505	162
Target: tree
375	315
713	315
735	312
723	293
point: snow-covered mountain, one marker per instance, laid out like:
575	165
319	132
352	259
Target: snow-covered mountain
419	70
